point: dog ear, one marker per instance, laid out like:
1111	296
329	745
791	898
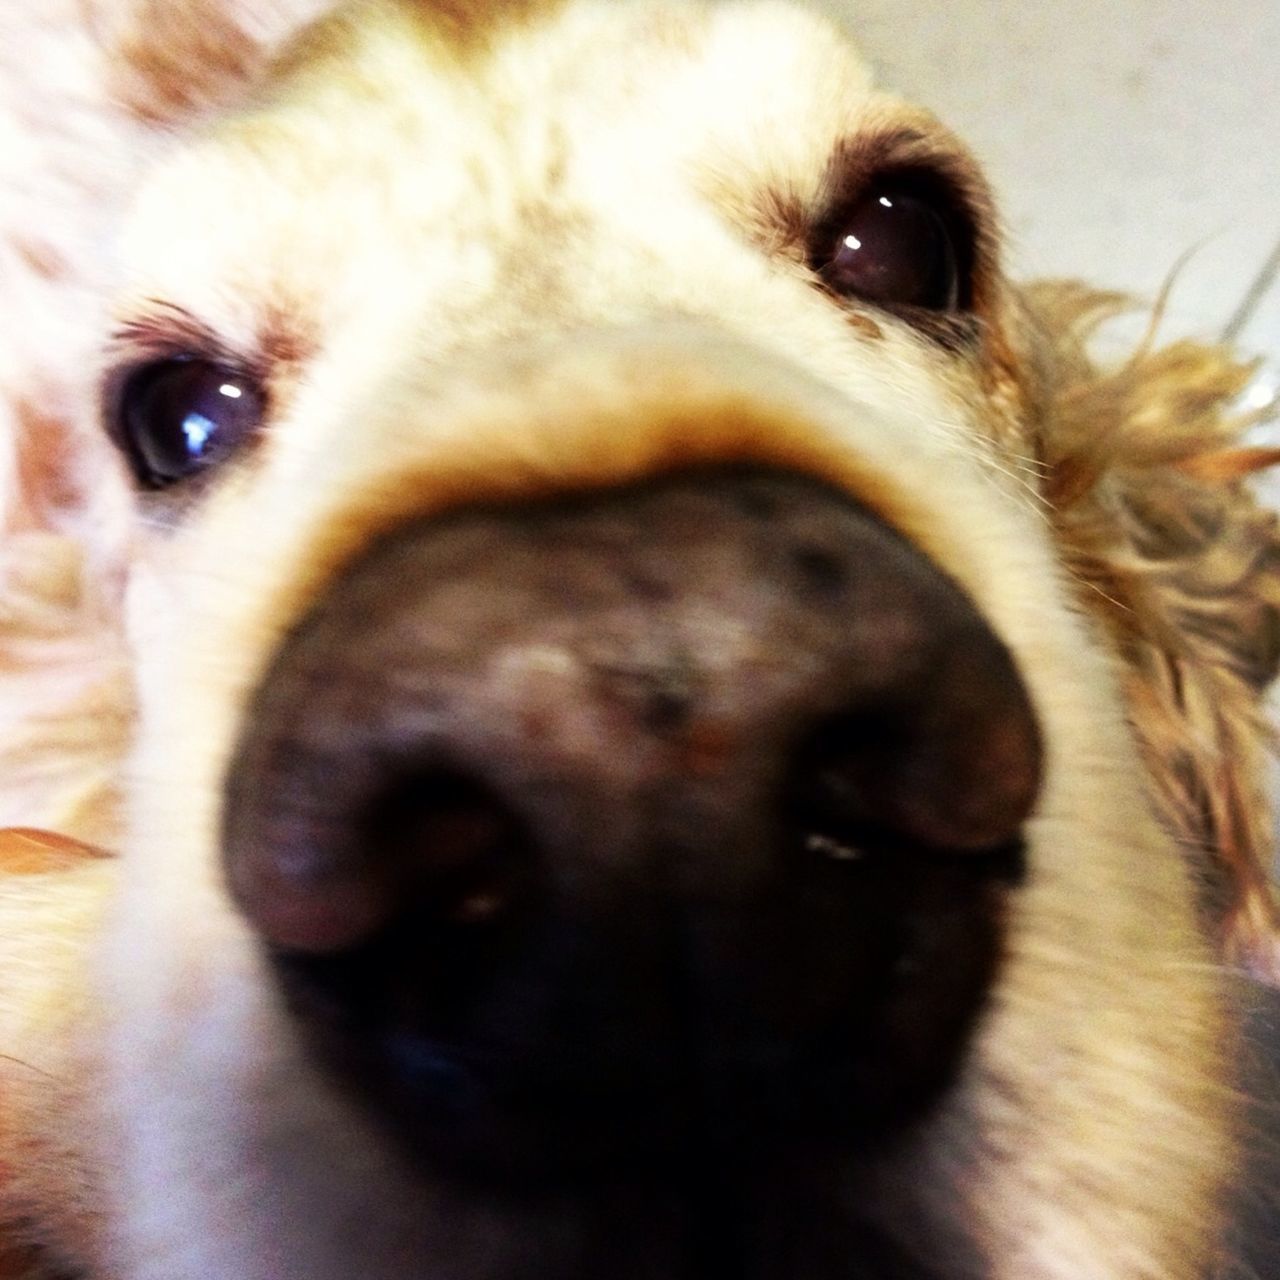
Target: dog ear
1148	477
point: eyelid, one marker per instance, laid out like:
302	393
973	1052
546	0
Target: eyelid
158	329
918	149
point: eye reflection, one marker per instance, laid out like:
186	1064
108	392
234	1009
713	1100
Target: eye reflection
198	430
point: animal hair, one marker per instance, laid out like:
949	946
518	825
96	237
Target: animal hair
1150	478
1141	466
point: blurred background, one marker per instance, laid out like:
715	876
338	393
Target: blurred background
1119	137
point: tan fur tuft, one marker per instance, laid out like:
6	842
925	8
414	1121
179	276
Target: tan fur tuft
466	20
171	58
1148	482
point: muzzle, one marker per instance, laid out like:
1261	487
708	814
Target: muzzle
636	828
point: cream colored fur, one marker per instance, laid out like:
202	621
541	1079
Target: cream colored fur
494	261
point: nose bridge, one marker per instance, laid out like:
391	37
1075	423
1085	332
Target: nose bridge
535	418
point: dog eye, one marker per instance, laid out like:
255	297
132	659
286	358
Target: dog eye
894	247
178	416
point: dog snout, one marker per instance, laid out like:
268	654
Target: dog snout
588	831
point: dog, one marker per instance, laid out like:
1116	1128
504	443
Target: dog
590	689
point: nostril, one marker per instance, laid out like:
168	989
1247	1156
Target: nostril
327	856
398	1004
449	842
951	764
847	787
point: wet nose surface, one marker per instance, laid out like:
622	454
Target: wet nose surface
602	830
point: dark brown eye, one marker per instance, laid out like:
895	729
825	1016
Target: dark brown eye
178	416
893	248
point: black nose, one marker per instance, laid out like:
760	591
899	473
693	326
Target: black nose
585	831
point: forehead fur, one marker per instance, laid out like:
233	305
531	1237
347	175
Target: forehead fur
453	29
464	22
549	54
566	110
170	56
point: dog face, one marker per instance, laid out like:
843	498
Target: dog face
630	777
